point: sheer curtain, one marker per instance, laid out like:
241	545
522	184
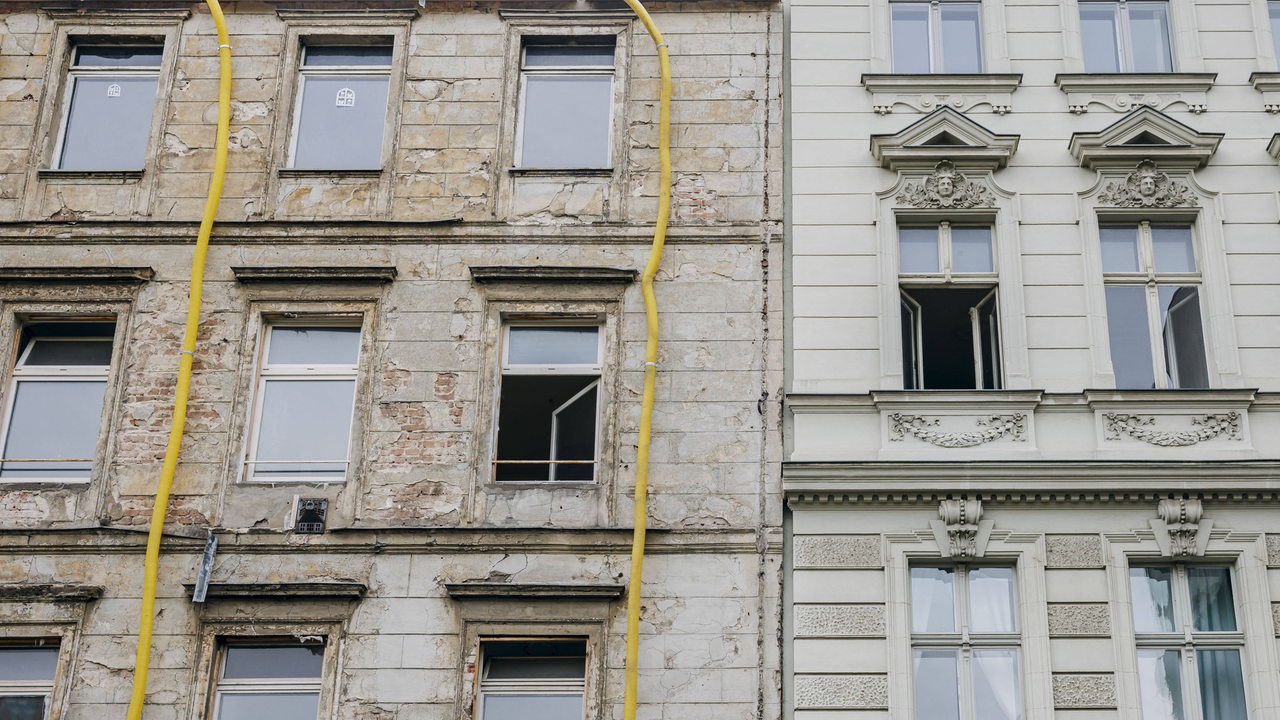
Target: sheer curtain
1221	684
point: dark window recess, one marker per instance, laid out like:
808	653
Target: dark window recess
547	428
950	339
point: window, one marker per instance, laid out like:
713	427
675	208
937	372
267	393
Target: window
279	681
965	643
566	103
110	98
305	402
1273	10
341	109
1126	36
549	403
1184	616
936	37
542	679
950	322
54	410
1153	306
26	680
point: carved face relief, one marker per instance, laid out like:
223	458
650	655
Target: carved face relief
946	188
1147	186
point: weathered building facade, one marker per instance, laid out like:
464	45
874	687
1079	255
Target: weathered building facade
1032	360
418	374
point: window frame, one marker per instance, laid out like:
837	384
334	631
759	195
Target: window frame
35	688
505	368
935	35
994	50
576	71
220	687
355	71
318	371
1124	39
530	686
75	73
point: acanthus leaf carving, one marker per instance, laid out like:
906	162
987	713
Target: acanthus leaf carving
960	530
946	188
1147	187
1139	427
1181	529
923	428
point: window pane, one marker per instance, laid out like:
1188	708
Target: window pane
340	123
276	706
1130	342
937	685
1183	337
305	420
53	420
1098	34
108	123
331	55
1161	684
1120	249
971	250
23	707
991	600
525	414
566	121
1212	607
533	707
1149	25
910	352
118	56
301	345
933	607
568	56
1152	599
910	37
961	38
552	345
297	661
1173	249
574	436
1221	684
90	353
1273	9
28	663
995	684
918	250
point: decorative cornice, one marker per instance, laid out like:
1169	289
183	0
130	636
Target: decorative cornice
1148	187
1139	427
120	16
943	133
533	591
80	275
288	591
921	427
946	187
48	592
1144	134
928	92
1267	83
314	274
552	274
1123	92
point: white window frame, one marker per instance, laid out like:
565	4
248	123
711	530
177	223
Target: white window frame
58	373
317	371
256	686
597	369
936	52
567	71
354	71
1183	38
531	686
1272	15
1152	280
33	688
995	48
76	72
1124	34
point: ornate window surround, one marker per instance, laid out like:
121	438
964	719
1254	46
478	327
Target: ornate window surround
975	153
1176	150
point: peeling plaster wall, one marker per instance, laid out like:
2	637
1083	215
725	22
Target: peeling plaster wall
418	509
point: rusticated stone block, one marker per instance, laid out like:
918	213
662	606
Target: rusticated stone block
1079	620
1074	551
1079	691
854	692
1273	551
839	621
1275	617
838	551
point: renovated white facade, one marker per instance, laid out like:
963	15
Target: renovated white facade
1033	360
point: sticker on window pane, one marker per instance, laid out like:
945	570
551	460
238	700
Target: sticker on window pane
346	97
113	90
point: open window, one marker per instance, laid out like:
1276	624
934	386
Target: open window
538	678
949	310
53	414
549	406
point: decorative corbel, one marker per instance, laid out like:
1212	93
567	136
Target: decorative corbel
960	530
1181	529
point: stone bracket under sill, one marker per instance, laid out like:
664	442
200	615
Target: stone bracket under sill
1123	92
928	92
1267	83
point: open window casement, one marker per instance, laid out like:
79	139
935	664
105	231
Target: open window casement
950	338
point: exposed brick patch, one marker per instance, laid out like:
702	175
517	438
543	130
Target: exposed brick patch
136	510
446	391
693	201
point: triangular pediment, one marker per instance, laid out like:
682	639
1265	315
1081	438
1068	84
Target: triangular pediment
1145	133
944	134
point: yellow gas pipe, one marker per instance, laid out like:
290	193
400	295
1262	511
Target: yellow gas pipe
650	364
186	358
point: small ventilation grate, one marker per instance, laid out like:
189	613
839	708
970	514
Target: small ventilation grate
309	519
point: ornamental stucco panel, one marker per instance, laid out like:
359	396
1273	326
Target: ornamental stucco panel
837	551
841	692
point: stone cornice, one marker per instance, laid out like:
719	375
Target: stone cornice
552	274
1144	134
944	134
48	592
287	591
80	275
533	591
1123	92
1236	398
314	274
928	92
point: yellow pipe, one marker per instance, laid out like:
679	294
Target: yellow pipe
184	369
650	364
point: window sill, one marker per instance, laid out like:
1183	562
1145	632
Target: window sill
1122	92
541	172
1269	85
327	173
926	93
121	176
